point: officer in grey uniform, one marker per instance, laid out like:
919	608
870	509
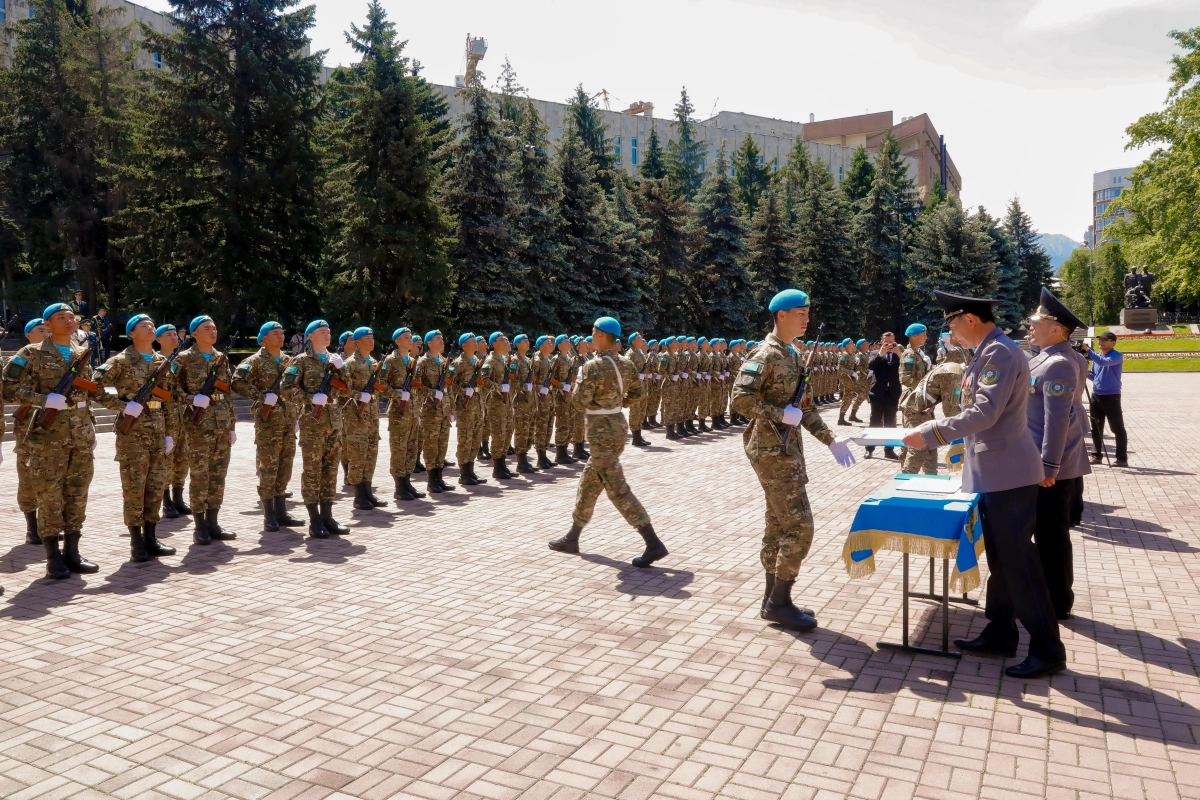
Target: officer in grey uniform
1003	465
1054	422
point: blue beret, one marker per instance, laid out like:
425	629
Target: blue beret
520	337
266	328
314	325
493	336
463	338
609	325
587	339
54	308
432	334
691	340
633	337
198	321
562	337
361	332
652	342
670	340
860	342
342	339
914	329
576	339
164	328
788	298
809	343
541	340
133	322
396	334
701	340
33	323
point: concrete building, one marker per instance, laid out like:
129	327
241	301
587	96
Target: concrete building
13	10
1106	187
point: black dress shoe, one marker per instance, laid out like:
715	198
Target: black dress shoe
986	647
1035	667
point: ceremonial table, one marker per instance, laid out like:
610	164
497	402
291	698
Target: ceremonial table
924	515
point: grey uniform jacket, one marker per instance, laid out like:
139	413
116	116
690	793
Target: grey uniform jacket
1000	453
1052	413
1081	466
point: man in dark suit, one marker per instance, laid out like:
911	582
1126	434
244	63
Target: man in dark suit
885	391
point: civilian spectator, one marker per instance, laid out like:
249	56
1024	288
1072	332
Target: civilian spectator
885	389
297	343
1106	397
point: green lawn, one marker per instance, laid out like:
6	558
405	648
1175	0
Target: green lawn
1163	345
1182	330
1162	365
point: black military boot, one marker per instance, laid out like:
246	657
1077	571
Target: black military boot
402	493
671	434
561	456
169	509
154	548
704	428
200	534
542	461
375	501
282	516
854	417
638	441
419	468
568	543
646	424
316	528
523	466
215	531
581	453
690	427
654	423
466	474
137	546
177	501
842	420
269	521
655	549
31	534
432	482
780	609
329	522
76	562
412	489
361	501
770	585
56	565
500	470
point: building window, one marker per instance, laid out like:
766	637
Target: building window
840	173
732	171
775	165
761	161
157	61
633	151
3	12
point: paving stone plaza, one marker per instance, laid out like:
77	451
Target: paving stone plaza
442	651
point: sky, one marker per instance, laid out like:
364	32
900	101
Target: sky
1033	96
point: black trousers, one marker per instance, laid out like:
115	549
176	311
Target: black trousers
1053	537
1108	407
883	415
1077	504
1016	588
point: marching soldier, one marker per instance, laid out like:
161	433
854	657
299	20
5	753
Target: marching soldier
497	400
314	381
360	419
35	332
546	391
260	380
763	392
607	384
464	380
861	359
177	460
637	409
57	447
142	450
914	365
404	434
524	402
432	384
564	372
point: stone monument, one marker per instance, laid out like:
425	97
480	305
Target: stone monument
1138	312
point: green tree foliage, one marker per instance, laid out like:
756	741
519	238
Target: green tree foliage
685	153
824	253
1093	283
794	178
770	254
512	97
668	241
953	253
223	213
1163	228
585	230
883	230
751	176
625	286
587	119
1010	279
937	196
719	272
1035	264
390	251
478	192
860	176
654	165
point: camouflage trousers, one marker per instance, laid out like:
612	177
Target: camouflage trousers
320	452
499	423
435	436
523	414
653	398
26	495
914	461
360	438
404	439
578	425
61	474
177	461
637	414
670	393
208	461
563	417
470	434
543	419
143	459
789	526
274	452
602	472
852	395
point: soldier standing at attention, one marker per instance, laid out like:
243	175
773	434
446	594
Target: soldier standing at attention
1002	464
260	380
914	365
524	402
564	373
35	332
847	378
466	401
672	365
210	438
58	453
177	460
637	409
607	384
861	359
414	355
544	394
583	354
432	384
404	434
652	385
305	384
345	350
142	452
497	399
763	392
360	420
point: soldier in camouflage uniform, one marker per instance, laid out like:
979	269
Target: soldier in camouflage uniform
404	434
737	350
545	391
524	402
561	381
847	378
653	384
670	367
210	438
259	379
345	350
35	332
637	409
463	379
142	452
583	353
608	383
497	401
314	381
177	460
763	392
433	390
58	454
914	365
360	419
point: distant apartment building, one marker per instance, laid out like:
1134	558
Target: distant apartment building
1106	187
13	10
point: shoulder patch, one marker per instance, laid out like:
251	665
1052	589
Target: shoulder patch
1056	388
20	361
293	370
752	366
990	375
103	368
243	368
174	366
909	361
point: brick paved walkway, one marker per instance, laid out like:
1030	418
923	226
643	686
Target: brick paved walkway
442	651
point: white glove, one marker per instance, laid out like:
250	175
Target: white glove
641	376
468	391
437	394
270	399
56	401
566	387
133	409
336	360
674	377
841	452
201	401
404	396
685	374
657	377
232	438
529	387
1	455
544	390
168	445
854	376
319	399
792	415
363	397
504	387
297	430
453	419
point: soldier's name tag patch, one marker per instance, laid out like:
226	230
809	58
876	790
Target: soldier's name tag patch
1056	389
990	375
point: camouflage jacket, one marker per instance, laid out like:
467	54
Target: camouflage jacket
191	371
32	374
638	359
765	384
128	372
564	371
942	384
520	375
459	375
302	380
494	375
430	370
256	376
359	370
912	370
394	373
599	388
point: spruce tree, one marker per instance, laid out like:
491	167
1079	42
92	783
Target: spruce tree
624	289
654	165
794	178
952	253
1035	264
227	221
750	174
685	153
824	254
511	103
859	177
719	271
477	190
389	260
585	116
668	241
770	254
883	225
1009	278
935	197
585	230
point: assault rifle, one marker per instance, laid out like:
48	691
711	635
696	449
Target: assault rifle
441	386
212	383
150	388
329	381
471	384
275	387
800	396
550	365
372	385
406	387
70	378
